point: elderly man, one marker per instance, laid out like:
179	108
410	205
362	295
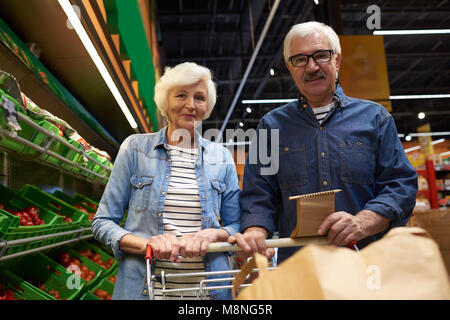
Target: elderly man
326	141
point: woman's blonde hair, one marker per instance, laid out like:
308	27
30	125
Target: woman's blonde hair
184	74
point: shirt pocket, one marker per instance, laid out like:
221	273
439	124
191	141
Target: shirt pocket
357	161
140	192
218	188
292	166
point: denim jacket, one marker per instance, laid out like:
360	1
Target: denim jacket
139	183
356	148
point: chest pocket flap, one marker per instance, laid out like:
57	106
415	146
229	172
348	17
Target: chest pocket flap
219	185
140	182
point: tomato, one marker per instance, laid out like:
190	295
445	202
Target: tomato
54	293
64	259
102	294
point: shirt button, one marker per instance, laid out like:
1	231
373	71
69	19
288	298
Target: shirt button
323	154
325	183
140	184
159	214
163	192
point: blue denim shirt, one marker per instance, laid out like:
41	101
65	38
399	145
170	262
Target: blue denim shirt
356	149
139	183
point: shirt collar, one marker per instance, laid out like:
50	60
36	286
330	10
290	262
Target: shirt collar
161	139
338	96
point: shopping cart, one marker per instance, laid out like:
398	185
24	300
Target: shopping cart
202	290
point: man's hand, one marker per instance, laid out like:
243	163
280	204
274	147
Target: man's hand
342	227
253	240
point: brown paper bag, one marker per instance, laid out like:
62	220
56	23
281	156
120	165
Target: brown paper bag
404	264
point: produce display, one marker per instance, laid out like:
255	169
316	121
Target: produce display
29	216
113	278
6	294
102	294
95	257
41	286
67	261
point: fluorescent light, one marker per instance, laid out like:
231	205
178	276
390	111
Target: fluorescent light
76	23
316	2
438	141
409	32
418	147
268	101
419	96
445	154
412	149
426	134
421	115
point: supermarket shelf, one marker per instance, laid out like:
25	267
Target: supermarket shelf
4	244
44	150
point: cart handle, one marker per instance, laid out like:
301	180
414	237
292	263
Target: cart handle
149	253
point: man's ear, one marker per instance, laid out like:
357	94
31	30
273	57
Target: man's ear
338	61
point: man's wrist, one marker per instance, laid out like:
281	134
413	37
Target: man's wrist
372	222
258	229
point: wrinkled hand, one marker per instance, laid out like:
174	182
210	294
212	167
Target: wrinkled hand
166	247
196	244
253	240
342	228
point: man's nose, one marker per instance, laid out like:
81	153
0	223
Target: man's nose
311	65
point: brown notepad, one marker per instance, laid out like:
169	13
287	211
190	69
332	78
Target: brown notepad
312	209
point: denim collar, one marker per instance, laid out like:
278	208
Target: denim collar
338	95
161	140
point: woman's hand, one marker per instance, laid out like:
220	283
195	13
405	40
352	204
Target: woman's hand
165	246
196	244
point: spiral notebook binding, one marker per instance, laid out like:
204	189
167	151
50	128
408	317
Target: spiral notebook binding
315	195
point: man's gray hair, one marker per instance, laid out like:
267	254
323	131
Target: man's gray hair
307	29
184	74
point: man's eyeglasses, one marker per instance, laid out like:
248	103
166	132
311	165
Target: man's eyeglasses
320	56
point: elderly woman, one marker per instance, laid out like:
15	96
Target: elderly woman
181	192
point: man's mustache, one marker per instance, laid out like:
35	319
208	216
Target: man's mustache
314	76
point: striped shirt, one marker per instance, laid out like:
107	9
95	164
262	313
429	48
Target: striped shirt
321	112
181	215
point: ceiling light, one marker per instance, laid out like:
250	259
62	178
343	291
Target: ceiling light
272	72
408	138
249	110
81	32
412	149
445	154
241	124
419	96
409	32
421	115
316	2
268	101
425	134
438	141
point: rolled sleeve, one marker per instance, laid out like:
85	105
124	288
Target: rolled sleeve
396	179
260	193
230	210
105	225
